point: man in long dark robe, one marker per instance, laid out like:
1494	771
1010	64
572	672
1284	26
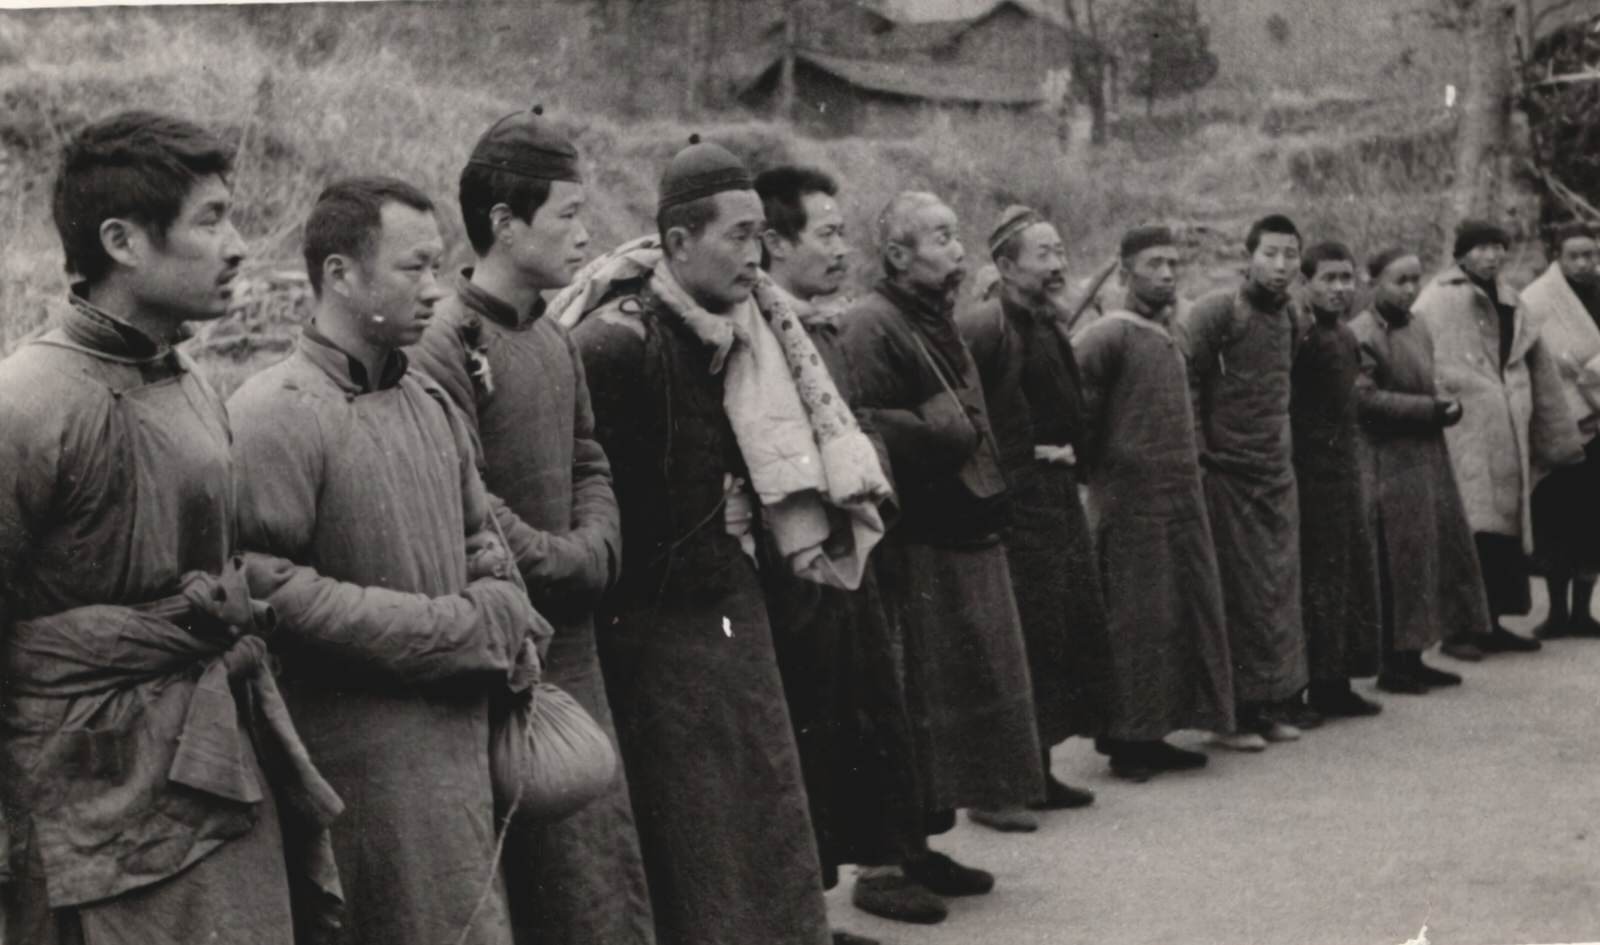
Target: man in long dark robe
1339	573
518	379
1240	343
1031	384
358	495
114	487
1169	645
837	649
686	644
1427	567
943	563
1564	302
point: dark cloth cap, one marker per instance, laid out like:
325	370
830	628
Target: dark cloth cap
524	143
700	170
1385	258
1470	234
1141	238
1013	220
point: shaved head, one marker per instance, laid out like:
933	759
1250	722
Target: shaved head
898	223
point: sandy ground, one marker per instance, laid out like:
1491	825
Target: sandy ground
1475	811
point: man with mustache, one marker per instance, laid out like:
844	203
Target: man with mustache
1339	576
115	489
1031	384
518	379
1428	578
359	496
1240	346
1169	646
1565	303
1515	422
837	648
943	564
686	642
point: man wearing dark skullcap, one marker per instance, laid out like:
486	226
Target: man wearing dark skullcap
1515	421
518	380
685	639
1240	346
1031	384
1168	643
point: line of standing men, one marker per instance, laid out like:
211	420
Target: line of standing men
820	567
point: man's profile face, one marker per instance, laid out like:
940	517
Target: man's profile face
190	270
932	261
1333	286
815	263
1040	267
1580	260
549	249
719	265
397	283
1152	275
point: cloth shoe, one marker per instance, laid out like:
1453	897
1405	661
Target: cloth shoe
1164	756
1132	768
896	897
1501	640
1275	729
1402	682
1239	741
946	877
1464	649
1062	796
1342	702
1430	676
1005	820
1300	713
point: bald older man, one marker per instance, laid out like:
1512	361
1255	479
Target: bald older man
943	565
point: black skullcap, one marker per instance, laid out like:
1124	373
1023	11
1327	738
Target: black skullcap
1470	234
700	170
1013	220
525	144
1383	259
1141	238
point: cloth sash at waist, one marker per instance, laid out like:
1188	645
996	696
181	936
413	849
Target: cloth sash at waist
108	751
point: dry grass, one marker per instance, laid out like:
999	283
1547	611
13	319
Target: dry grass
302	119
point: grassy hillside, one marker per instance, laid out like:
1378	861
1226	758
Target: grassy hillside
1345	167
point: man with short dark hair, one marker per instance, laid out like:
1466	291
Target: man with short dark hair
1240	346
1035	397
692	405
137	797
1339	575
837	648
943	564
1515	422
359	497
518	379
1168	643
1565	303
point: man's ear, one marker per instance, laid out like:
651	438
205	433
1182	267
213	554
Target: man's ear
338	273
123	240
677	239
500	217
1005	265
898	255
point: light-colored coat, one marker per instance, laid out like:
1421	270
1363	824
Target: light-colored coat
1515	420
1570	336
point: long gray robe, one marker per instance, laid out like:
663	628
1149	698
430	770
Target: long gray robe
579	880
1432	586
687	650
1339	568
1169	645
114	482
1033	390
1240	350
943	564
356	500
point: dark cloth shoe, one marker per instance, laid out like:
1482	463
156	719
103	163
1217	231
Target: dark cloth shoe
1008	820
1584	626
1300	714
1342	704
946	877
1434	677
841	937
1464	649
899	899
1132	768
1402	682
1061	796
1553	630
1501	640
1164	756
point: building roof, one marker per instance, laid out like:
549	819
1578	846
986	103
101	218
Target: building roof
914	80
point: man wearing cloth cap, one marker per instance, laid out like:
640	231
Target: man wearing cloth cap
944	567
1169	646
685	640
518	379
1515	421
1031	384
